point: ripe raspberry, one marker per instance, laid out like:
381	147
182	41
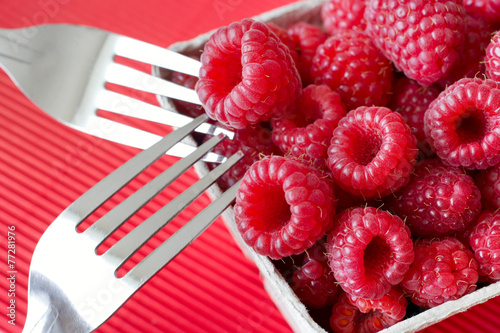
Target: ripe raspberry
308	131
492	58
411	100
188	81
488	182
343	15
420	37
438	200
283	35
486	9
283	206
370	251
307	38
255	142
471	52
247	75
313	281
443	270
462	125
372	152
484	241
352	65
351	314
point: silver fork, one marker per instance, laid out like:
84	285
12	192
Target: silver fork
64	69
65	270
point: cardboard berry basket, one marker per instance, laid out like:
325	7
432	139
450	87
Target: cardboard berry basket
296	313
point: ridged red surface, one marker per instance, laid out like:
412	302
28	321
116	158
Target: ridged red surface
44	166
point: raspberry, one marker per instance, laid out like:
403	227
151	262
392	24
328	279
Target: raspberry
492	58
486	9
307	38
188	81
443	270
488	182
343	15
283	206
471	52
247	75
462	125
313	282
351	314
411	100
255	142
283	35
352	65
307	133
420	37
484	241
439	200
372	152
369	251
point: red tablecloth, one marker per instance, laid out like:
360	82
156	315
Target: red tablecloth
44	166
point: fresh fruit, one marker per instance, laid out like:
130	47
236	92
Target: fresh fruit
420	37
343	15
372	152
484	239
492	58
247	75
462	124
488	182
283	206
439	200
369	251
443	270
486	9
307	132
349	63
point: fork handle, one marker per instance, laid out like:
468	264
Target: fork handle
46	323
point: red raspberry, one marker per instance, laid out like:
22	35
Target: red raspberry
420	37
370	251
313	282
308	132
492	58
488	182
484	241
471	52
411	100
486	9
351	314
438	200
283	206
283	35
255	142
307	38
343	15
462	125
188	81
443	270
372	152
247	75
352	65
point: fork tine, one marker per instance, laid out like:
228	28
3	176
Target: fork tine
135	79
88	202
155	55
132	107
133	240
103	227
165	252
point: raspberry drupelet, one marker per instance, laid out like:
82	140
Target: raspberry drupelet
353	314
247	75
369	251
420	37
492	58
372	152
485	243
283	206
343	15
439	200
352	65
307	132
462	125
313	281
443	270
488	10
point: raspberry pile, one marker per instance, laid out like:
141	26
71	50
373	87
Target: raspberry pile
372	136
